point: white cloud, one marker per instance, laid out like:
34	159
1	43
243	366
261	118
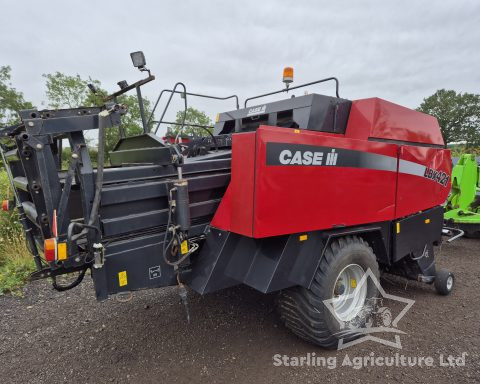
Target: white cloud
398	50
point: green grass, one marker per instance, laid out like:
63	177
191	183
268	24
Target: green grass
16	262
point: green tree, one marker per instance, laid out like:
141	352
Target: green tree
458	115
11	100
193	116
64	91
73	92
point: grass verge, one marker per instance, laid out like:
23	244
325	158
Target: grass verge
16	262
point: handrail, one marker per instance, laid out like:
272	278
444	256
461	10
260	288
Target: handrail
296	87
172	91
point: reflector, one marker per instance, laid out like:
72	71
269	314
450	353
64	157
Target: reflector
50	249
61	251
5	205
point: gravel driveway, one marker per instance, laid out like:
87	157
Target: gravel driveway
49	337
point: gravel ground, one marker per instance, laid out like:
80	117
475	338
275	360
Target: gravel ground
49	337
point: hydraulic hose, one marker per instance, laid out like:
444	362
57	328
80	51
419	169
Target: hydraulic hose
61	288
102	116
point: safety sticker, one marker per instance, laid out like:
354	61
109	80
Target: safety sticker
184	247
122	278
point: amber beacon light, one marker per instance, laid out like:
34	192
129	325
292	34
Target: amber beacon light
288	76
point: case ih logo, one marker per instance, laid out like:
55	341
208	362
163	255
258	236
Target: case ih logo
257	110
312	155
307	158
439	176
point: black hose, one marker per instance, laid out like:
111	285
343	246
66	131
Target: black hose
77	281
99	179
166	245
212	136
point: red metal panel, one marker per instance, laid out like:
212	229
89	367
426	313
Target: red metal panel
222	217
235	212
417	190
292	199
377	118
269	199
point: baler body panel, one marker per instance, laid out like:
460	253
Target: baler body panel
424	172
375	118
286	199
352	182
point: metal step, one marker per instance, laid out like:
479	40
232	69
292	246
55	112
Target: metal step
21	183
30	212
12	155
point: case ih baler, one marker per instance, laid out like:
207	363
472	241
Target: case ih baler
301	196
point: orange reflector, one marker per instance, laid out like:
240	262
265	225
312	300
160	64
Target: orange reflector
5	205
50	249
288	75
61	251
303	237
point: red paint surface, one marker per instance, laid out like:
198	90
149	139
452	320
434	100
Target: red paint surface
235	211
419	193
263	201
381	119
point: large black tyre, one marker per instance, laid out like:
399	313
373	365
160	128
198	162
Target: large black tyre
303	310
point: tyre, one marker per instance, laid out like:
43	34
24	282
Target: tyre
471	234
336	280
444	282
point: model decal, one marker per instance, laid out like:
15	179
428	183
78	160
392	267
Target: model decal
310	155
439	176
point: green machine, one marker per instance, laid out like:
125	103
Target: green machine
462	207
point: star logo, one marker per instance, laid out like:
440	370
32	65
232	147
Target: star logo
364	325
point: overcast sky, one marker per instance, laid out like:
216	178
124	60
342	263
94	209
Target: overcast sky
402	51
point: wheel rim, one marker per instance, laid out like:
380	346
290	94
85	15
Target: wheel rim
348	297
449	283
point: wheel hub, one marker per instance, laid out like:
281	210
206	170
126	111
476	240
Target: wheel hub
348	296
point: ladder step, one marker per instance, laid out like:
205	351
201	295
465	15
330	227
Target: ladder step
21	183
12	155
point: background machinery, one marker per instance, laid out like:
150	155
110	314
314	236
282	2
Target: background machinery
463	202
301	196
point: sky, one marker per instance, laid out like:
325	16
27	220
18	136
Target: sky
401	51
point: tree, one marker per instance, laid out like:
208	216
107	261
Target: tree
73	92
11	100
458	115
65	91
193	116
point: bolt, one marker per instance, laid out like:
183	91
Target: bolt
39	146
31	123
77	259
74	156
